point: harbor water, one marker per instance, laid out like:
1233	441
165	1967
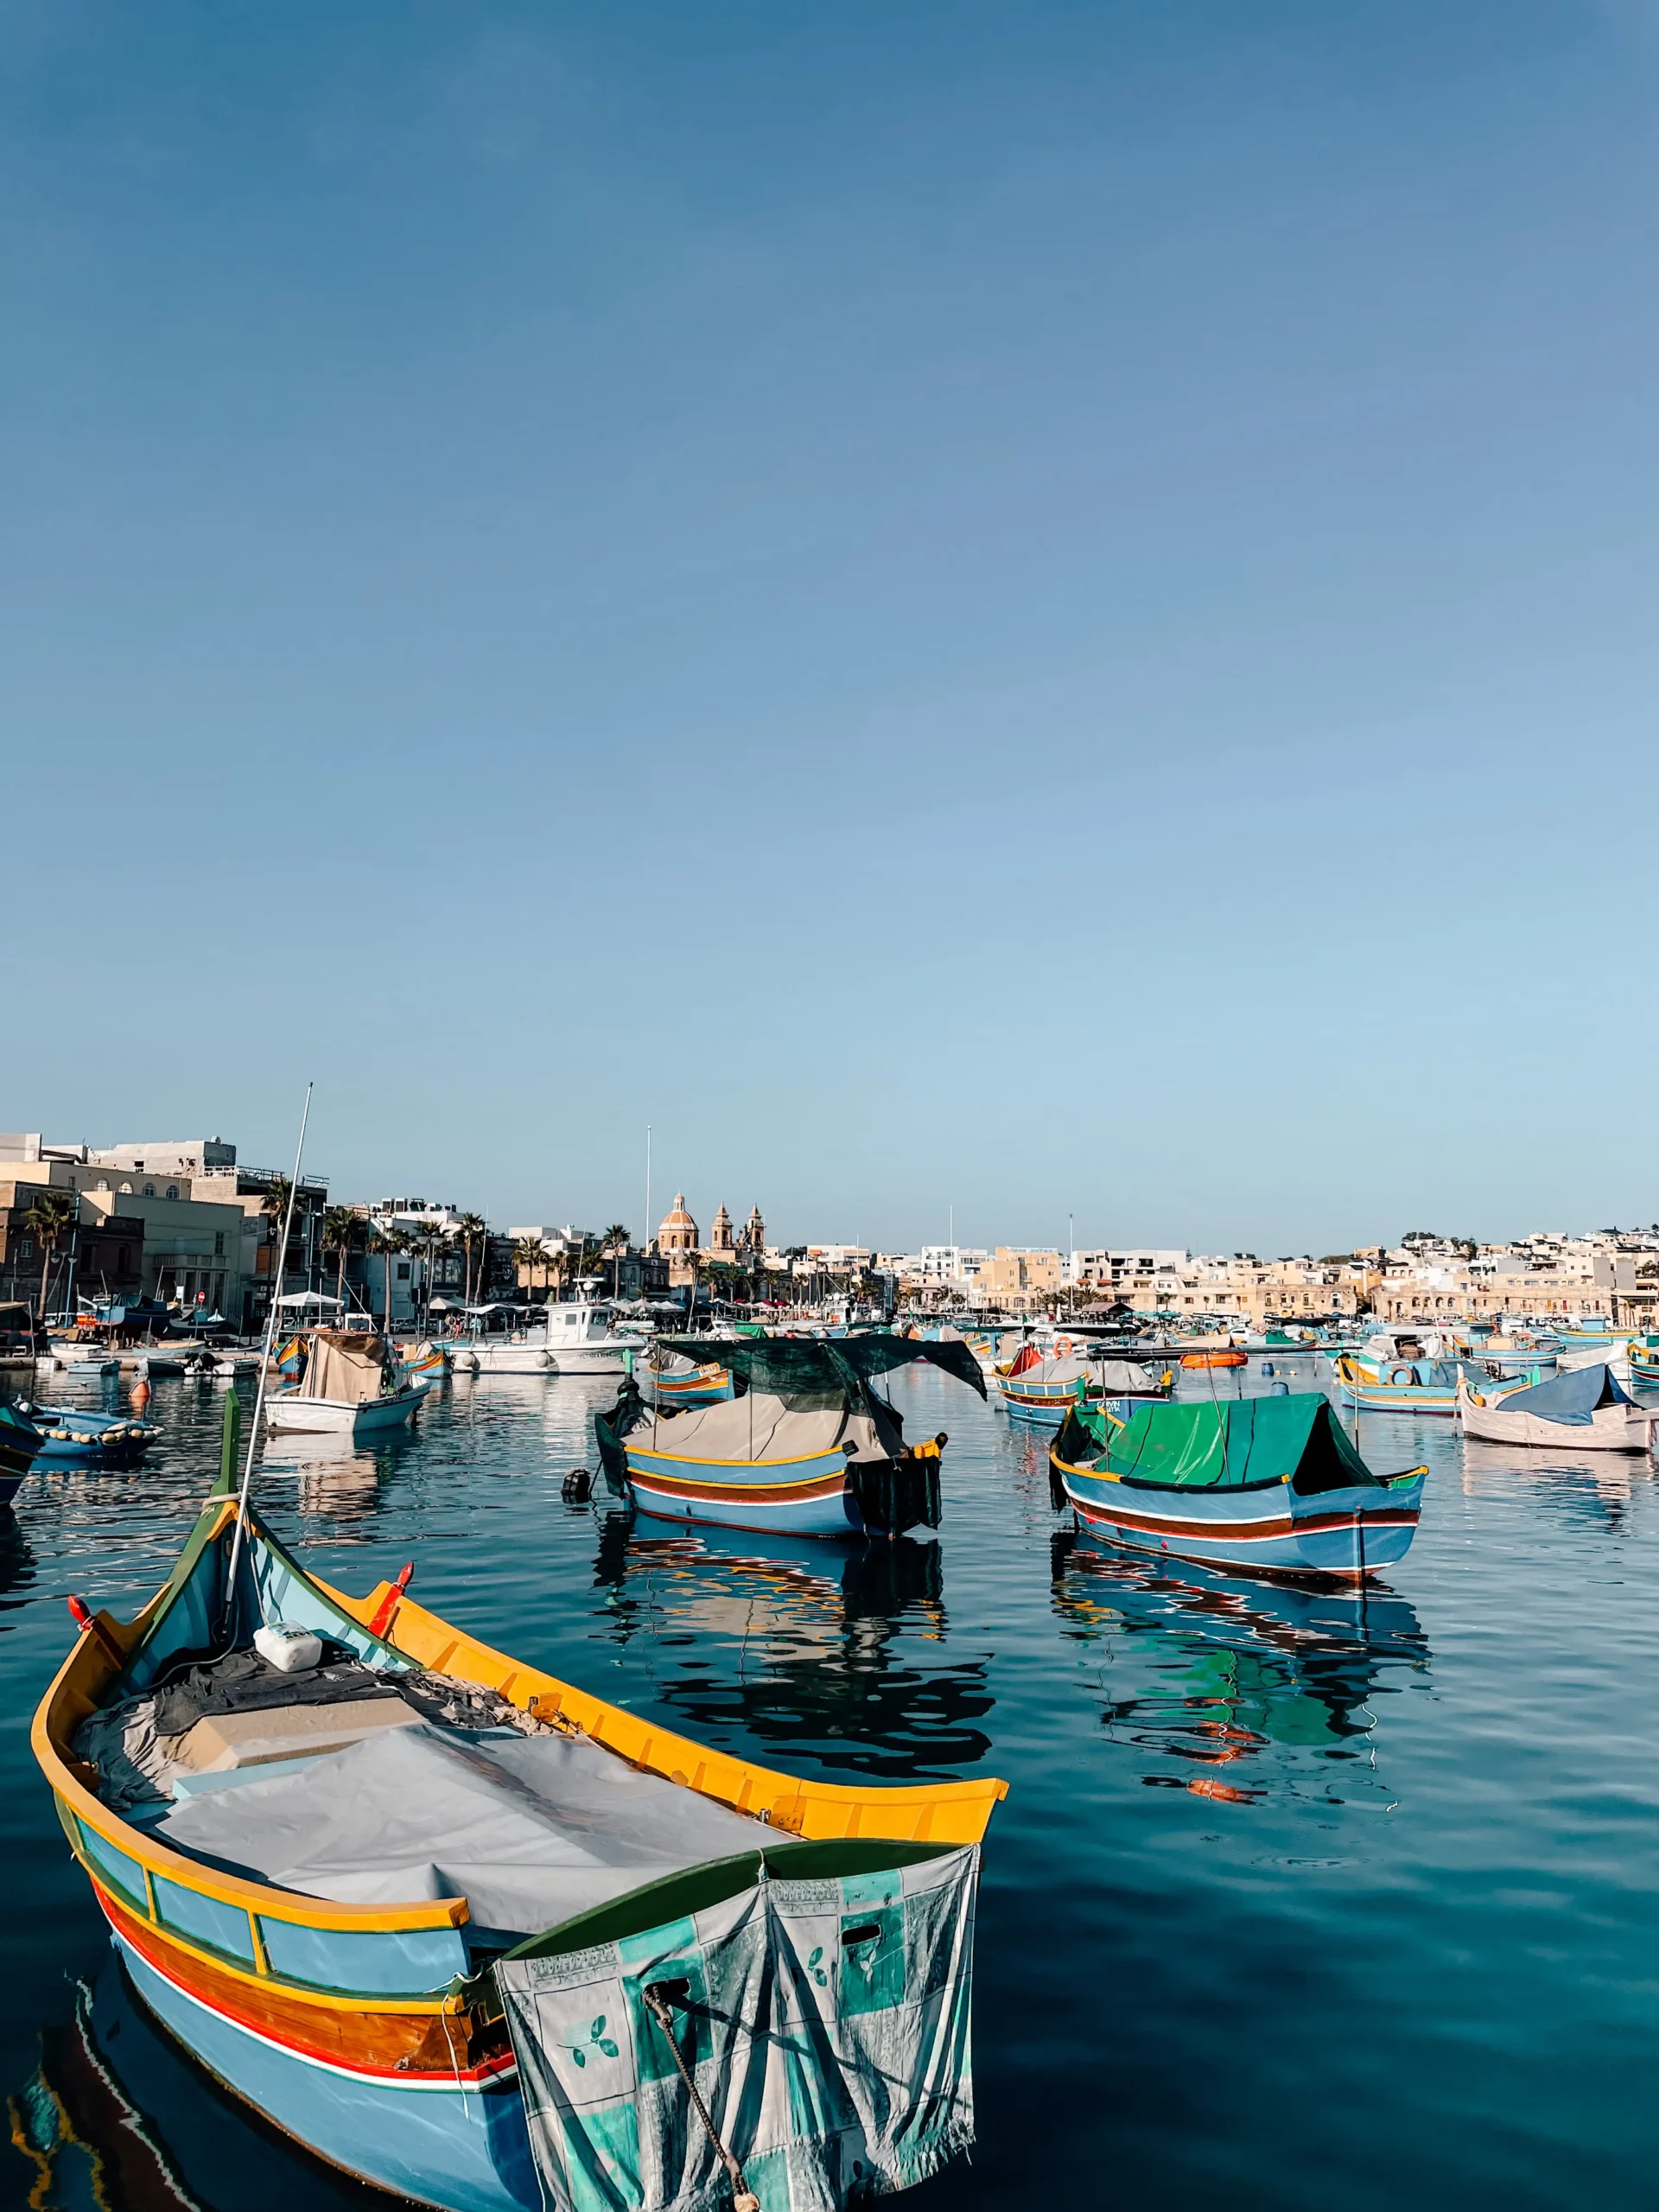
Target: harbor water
1296	1895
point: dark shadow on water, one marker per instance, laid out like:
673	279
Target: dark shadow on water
800	1646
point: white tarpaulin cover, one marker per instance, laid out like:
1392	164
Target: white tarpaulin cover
759	1426
825	2024
531	1831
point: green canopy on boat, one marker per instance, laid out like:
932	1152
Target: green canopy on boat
1223	1445
792	1365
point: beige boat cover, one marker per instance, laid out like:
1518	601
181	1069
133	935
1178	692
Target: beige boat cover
345	1368
759	1426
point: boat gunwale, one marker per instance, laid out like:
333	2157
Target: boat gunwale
766	1795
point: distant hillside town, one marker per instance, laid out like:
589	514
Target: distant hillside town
187	1224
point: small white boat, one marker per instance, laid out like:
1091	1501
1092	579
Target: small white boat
351	1388
84	1359
1584	1410
582	1341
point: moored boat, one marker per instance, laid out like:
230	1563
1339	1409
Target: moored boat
1273	1482
71	1436
19	1442
1586	1409
1398	1386
581	1340
681	1382
1225	1355
478	1915
808	1449
352	1387
1037	1389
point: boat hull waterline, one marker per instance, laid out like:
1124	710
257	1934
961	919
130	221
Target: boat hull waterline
1348	1534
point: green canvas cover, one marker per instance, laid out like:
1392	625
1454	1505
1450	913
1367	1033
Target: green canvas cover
835	1367
1228	1445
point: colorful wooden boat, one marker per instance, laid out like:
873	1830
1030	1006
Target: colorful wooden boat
19	1441
352	1387
1227	1356
1584	1410
1271	1483
73	1436
1401	1386
809	1449
1038	1389
409	2044
426	1362
686	1382
1642	1355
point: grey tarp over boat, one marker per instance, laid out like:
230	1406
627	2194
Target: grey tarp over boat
342	1365
531	1831
759	1426
825	2024
1570	1398
798	1366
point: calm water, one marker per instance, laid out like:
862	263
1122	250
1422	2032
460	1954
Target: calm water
1293	1898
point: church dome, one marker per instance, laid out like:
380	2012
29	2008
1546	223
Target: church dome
678	1232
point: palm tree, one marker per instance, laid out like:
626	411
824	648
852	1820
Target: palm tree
529	1254
49	1216
472	1227
384	1242
432	1242
340	1227
615	1240
275	1210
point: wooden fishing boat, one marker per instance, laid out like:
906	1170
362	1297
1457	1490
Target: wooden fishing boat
1586	1409
1640	1359
682	1383
1038	1389
1399	1386
808	1449
466	1951
19	1441
1271	1483
352	1387
70	1436
1227	1356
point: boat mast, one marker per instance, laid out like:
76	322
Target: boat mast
265	1363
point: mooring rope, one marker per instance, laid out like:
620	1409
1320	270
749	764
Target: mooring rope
658	2004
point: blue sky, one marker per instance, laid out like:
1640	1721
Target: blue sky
1042	609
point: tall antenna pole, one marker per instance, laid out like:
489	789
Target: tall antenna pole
645	1237
265	1363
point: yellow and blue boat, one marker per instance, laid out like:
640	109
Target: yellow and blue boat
1397	1386
684	1383
807	1447
368	1915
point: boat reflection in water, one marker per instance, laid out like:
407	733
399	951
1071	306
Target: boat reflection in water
819	1635
1594	1490
116	2117
1241	1687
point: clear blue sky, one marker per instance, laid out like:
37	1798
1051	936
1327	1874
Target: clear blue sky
1047	609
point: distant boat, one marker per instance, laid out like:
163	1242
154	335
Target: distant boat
73	1438
426	1362
351	1388
810	1449
1227	1356
581	1340
1584	1410
1401	1386
686	1382
1270	1483
1037	1389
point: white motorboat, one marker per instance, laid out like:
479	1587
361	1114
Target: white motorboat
1584	1410
83	1359
581	1340
351	1388
509	1356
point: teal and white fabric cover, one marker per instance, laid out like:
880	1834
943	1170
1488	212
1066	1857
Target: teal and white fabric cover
826	2025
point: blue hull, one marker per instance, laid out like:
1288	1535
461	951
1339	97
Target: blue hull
1347	1533
465	2150
797	1497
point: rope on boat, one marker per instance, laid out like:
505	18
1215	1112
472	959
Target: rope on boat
659	2004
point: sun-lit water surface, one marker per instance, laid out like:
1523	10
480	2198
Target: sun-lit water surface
1294	1894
